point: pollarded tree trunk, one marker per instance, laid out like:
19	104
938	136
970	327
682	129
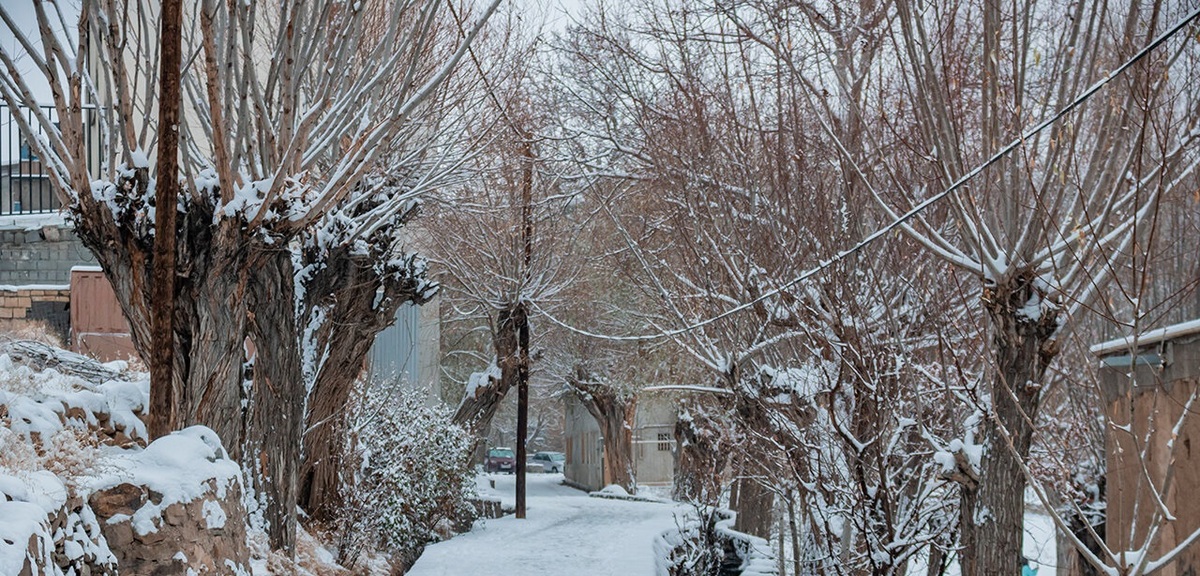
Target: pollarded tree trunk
749	497
701	457
618	442
361	298
477	410
276	420
210	307
993	512
614	411
752	500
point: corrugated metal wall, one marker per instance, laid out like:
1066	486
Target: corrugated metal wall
396	355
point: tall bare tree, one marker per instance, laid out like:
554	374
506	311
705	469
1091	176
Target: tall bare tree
1042	224
288	109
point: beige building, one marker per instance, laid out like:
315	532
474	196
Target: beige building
653	443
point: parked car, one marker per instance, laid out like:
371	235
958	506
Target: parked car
500	460
553	462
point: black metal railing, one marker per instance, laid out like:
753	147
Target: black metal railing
25	185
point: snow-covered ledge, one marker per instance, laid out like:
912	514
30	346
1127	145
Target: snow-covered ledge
1149	338
34	221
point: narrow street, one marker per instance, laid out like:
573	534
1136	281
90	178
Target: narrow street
566	532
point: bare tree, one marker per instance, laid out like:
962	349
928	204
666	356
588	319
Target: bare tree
288	109
1043	222
729	195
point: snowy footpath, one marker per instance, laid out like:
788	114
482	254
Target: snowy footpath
565	532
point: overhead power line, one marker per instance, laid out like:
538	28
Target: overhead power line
904	218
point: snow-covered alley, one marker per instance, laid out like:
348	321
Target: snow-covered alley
565	532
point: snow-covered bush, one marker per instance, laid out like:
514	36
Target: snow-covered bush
694	548
412	478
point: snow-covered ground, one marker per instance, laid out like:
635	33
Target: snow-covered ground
565	532
1038	546
1039	541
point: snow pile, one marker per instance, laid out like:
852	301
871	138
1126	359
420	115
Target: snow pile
51	425
181	467
614	490
41	404
617	492
78	492
43	527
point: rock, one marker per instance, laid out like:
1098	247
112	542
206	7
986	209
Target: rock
175	515
122	499
67	543
182	528
152	539
119	536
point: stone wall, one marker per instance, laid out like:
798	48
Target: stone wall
39	253
36	308
204	536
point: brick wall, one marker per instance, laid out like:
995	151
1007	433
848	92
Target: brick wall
39	255
36	308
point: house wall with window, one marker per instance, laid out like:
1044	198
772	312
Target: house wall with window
653	443
654	440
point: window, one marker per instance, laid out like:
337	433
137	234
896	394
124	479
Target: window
664	442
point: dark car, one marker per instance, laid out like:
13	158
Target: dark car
500	460
552	462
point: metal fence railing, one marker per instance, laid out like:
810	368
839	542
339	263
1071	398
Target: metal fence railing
25	187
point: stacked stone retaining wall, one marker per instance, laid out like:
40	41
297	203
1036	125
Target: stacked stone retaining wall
36	309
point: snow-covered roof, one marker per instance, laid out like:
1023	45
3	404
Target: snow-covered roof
1147	338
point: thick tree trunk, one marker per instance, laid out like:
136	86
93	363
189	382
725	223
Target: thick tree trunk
618	445
272	455
993	512
210	308
476	411
752	501
614	412
749	497
345	288
700	459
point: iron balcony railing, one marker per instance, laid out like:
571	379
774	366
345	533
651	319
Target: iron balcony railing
25	186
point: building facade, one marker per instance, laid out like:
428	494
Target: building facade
653	443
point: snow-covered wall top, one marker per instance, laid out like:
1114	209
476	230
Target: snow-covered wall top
1148	338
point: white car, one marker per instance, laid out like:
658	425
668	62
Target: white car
552	462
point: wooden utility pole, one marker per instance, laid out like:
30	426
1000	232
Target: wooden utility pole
523	334
164	397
